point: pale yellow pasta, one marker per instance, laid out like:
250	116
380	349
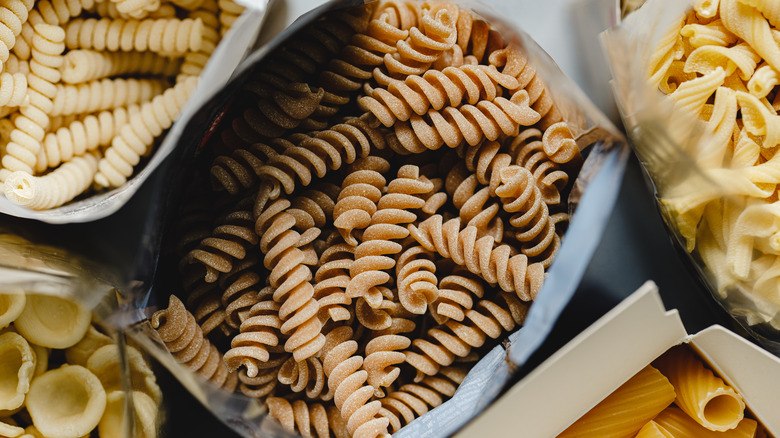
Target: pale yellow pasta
13	89
747	23
104	94
764	79
55	188
759	221
700	393
112	424
675	75
759	120
740	58
14	13
161	35
668	49
710	34
10	430
87	65
17	366
139	133
74	387
653	430
680	425
52	321
692	95
627	409
11	305
720	126
136	8
706	8
770	9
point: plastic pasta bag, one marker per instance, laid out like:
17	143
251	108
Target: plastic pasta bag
60	344
279	290
696	97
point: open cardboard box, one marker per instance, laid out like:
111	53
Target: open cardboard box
609	352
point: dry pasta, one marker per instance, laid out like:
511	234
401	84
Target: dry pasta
391	261
676	422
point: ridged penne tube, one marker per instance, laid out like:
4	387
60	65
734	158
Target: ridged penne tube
53	322
700	393
627	409
680	425
17	365
70	385
653	430
11	306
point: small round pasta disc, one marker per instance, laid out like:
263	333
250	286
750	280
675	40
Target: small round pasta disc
53	322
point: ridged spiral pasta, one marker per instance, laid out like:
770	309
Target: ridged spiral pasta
374	255
475	36
382	352
204	298
445	342
260	386
88	65
456	295
306	376
136	8
259	331
53	189
360	191
30	126
104	94
278	111
307	419
13	14
415	273
184	339
229	242
242	288
161	35
501	265
532	224
82	135
13	89
206	11
415	399
477	205
351	394
470	123
138	135
413	56
314	155
291	278
229	11
240	171
331	280
436	89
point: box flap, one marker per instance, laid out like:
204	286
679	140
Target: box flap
751	370
559	391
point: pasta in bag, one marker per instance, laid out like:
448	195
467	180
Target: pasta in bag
698	97
61	344
376	226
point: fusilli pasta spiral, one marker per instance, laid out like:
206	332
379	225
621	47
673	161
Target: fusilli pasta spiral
240	171
456	295
241	289
331	281
360	191
382	352
470	123
306	419
228	242
259	331
184	339
499	265
416	277
138	134
305	376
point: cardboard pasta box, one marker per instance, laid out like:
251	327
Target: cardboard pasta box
612	350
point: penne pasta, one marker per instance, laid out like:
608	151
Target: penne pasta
627	409
700	393
680	425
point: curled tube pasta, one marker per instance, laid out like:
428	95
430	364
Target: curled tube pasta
138	134
13	89
160	35
104	94
14	13
66	402
55	188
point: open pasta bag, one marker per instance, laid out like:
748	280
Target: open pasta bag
61	345
391	205
110	90
637	372
694	88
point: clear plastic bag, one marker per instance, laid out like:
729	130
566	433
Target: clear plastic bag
592	197
57	325
706	192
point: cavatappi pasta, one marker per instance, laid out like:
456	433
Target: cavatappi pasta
391	186
675	396
82	81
